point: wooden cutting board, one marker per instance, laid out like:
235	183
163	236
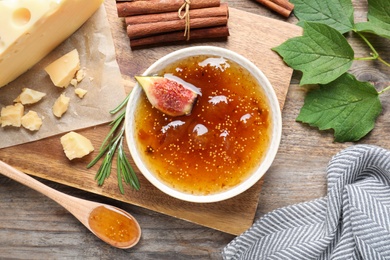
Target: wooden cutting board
252	36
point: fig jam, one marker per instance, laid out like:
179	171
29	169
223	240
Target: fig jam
221	142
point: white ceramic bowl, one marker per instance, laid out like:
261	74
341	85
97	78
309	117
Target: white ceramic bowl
276	122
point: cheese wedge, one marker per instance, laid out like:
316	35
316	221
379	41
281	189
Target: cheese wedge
63	70
30	29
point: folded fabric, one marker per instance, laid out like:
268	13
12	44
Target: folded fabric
351	222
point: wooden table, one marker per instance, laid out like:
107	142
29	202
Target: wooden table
34	227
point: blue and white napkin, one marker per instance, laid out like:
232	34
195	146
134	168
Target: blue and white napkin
351	222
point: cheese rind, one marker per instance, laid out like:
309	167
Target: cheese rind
31	29
63	70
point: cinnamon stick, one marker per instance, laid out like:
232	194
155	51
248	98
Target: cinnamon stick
220	32
221	10
147	29
284	3
159	6
282	7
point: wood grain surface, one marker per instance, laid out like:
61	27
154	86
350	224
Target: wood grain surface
46	159
33	227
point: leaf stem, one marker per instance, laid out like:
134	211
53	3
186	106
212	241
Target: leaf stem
365	58
384	90
375	54
384	62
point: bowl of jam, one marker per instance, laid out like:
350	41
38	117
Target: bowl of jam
224	145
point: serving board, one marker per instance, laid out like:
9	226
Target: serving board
252	36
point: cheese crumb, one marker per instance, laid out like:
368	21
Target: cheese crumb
63	70
61	105
29	96
80	75
12	115
75	145
31	121
74	82
80	92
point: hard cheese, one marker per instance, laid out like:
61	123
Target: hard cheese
75	145
63	70
30	29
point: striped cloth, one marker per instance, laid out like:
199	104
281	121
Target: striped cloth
351	222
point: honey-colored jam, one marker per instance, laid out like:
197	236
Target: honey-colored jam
114	227
221	142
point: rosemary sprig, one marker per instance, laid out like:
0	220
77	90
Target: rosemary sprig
111	144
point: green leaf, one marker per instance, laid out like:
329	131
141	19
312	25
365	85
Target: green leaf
378	19
379	9
374	26
348	106
338	14
322	53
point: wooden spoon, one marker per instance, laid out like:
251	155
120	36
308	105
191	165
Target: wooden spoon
112	225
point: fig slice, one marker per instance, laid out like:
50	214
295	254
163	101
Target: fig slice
168	95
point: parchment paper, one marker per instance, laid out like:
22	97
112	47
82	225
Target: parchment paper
103	82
